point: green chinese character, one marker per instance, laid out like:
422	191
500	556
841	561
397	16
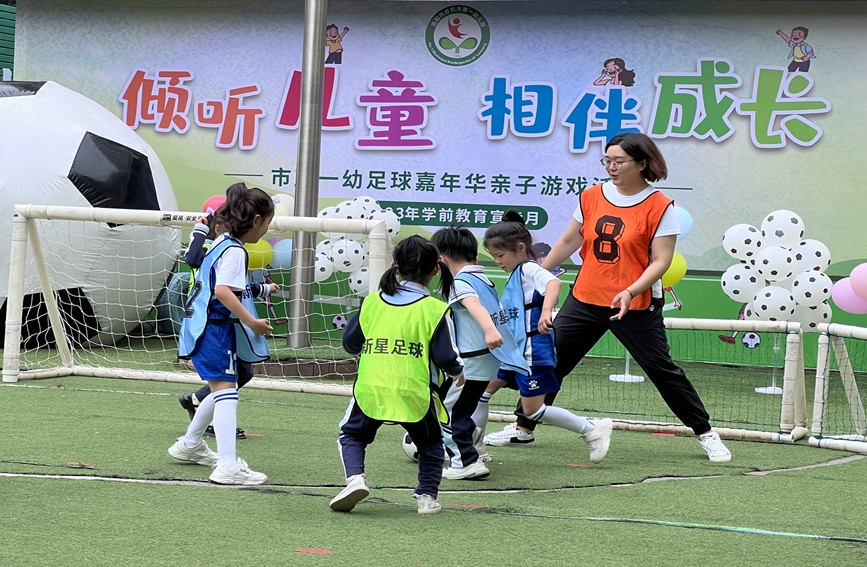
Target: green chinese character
400	180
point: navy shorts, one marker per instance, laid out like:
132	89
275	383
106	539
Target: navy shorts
215	356
541	381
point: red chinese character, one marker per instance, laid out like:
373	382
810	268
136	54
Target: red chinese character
290	110
237	124
163	100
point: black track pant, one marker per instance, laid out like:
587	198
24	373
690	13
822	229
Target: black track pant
579	326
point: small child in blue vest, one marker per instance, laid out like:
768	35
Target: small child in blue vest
405	340
529	297
220	328
485	344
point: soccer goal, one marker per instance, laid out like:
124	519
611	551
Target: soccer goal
101	292
839	421
749	374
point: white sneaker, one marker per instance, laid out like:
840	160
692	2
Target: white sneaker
475	471
599	439
713	446
510	435
239	474
356	490
427	504
201	454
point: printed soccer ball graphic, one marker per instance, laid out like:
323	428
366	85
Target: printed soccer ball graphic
71	151
339	322
751	340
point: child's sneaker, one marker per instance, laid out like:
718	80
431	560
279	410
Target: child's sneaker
599	439
713	446
427	504
239	474
201	454
510	435
356	490
475	471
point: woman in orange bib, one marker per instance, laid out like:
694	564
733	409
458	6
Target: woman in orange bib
626	231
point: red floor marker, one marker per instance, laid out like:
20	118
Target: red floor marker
319	551
663	434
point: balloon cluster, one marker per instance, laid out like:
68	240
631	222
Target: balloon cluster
347	252
781	275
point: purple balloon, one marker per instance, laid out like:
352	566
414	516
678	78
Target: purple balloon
846	299
858	280
274	241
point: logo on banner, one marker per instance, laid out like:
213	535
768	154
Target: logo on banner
457	35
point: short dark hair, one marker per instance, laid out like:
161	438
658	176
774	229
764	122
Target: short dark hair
803	29
457	242
329	26
641	148
509	233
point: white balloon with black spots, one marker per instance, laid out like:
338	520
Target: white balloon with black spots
809	316
347	255
392	223
774	303
812	288
782	228
323	268
359	282
775	263
741	282
811	254
742	241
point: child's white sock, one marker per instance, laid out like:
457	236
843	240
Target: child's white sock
201	420
480	418
225	423
563	418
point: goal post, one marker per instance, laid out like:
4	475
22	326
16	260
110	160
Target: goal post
839	420
73	310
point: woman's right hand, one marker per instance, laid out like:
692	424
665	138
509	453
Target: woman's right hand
621	301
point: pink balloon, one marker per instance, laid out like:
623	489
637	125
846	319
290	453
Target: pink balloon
213	203
846	299
858	280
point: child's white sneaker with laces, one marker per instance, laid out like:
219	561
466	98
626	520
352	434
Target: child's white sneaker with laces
356	490
713	446
201	454
240	474
427	504
510	435
599	439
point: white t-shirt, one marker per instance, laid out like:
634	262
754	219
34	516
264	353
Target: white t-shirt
669	224
535	278
230	269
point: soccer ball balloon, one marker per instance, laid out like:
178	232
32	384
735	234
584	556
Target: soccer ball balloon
61	148
347	255
742	241
775	263
812	255
359	282
323	268
392	223
812	288
811	315
774	303
782	228
741	282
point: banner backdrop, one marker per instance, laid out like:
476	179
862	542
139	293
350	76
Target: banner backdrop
451	114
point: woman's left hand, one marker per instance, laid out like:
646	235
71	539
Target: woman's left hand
621	301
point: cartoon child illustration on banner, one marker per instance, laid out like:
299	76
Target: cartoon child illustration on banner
614	72
801	52
333	41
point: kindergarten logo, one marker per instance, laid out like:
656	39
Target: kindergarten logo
457	35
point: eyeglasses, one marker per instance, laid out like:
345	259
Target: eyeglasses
617	164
